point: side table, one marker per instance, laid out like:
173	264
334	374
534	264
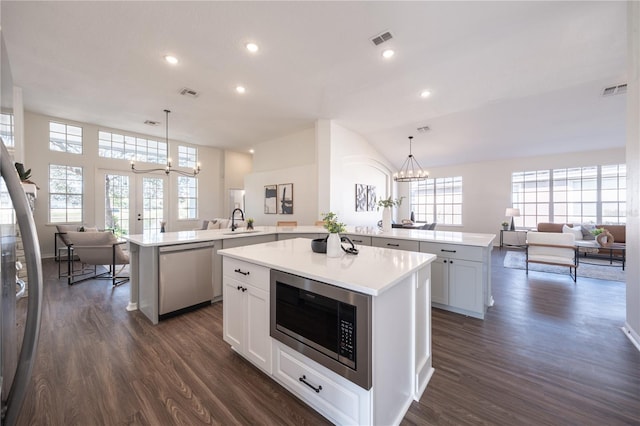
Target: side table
517	238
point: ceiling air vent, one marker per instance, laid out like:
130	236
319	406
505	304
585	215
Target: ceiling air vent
614	90
381	38
189	92
151	122
423	129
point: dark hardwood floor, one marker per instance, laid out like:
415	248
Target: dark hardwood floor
550	352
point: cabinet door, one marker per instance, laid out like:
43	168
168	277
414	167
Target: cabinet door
465	285
440	281
233	313
258	343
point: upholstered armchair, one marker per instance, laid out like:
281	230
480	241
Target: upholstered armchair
96	249
552	248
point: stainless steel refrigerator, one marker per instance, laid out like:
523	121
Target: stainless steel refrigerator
19	328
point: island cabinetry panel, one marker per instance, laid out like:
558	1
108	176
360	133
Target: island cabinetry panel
359	240
247	241
246	311
338	399
395	243
458	278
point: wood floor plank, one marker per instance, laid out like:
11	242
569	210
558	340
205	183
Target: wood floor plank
549	352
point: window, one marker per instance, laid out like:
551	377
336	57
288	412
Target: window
65	194
7	214
65	138
187	156
187	197
116	217
593	194
6	130
131	148
437	200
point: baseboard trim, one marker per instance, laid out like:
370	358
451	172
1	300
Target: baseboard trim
632	335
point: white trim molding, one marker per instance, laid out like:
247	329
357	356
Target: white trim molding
632	335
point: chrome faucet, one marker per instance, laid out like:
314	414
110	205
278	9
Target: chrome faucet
233	218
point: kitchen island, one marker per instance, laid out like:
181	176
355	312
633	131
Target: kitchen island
461	275
397	284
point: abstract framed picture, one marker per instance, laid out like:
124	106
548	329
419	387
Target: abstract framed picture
361	197
284	202
371	198
270	199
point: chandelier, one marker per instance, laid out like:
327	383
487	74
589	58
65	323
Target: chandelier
167	169
411	170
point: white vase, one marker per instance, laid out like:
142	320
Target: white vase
333	245
386	219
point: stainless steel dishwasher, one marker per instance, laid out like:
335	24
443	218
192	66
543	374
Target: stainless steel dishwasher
186	276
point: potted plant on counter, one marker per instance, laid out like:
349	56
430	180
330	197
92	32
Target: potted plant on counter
335	228
386	204
250	223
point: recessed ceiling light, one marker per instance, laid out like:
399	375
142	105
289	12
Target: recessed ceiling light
240	89
171	59
425	94
251	47
388	53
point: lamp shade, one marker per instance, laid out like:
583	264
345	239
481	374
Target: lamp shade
512	212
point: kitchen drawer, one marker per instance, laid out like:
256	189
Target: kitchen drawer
247	273
394	243
359	240
453	251
342	403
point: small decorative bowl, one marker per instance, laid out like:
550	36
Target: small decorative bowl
319	245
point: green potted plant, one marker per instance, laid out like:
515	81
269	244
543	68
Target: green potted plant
386	204
505	225
250	223
335	228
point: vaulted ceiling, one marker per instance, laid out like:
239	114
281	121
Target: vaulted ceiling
507	79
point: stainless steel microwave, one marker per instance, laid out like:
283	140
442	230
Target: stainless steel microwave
328	324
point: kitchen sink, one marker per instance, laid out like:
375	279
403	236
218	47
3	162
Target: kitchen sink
240	232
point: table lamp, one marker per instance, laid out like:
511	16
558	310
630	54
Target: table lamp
513	213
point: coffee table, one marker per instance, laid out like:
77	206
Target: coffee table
619	247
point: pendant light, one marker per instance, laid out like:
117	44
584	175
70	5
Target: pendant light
411	170
167	169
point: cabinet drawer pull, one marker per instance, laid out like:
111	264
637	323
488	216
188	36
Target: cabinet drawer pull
448	251
356	241
393	245
243	273
303	379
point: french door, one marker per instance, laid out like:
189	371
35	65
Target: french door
131	203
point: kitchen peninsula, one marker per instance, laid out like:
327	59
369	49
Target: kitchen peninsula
387	333
461	274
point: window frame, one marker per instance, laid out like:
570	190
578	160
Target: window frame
438	200
65	143
187	156
67	194
119	146
191	212
9	140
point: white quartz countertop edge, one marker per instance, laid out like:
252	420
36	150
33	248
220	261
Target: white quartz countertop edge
185	237
373	271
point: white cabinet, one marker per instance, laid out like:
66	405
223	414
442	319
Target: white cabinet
359	240
338	399
459	278
395	243
246	311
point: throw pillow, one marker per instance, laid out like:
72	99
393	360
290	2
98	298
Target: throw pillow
576	231
586	232
213	225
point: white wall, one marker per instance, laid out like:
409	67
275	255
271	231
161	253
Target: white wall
237	165
355	161
38	157
289	159
486	186
632	326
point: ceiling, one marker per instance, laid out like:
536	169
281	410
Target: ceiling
508	79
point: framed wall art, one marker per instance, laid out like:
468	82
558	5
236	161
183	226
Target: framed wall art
361	197
371	198
270	199
285	198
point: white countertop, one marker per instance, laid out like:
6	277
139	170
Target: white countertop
183	237
372	271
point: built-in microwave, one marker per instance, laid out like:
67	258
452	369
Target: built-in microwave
326	323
